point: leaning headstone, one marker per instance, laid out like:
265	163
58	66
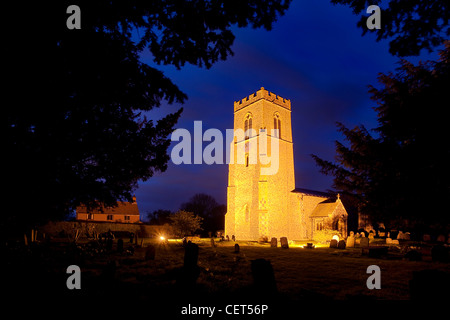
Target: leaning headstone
273	243
351	241
120	245
190	271
263	276
333	243
284	243
364	242
150	252
341	244
236	248
190	255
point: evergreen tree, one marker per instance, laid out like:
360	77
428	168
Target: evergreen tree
400	170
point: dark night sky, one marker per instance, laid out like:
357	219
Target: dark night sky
315	56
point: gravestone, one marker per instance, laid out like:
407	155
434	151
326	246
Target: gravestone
371	235
190	255
341	244
284	243
120	245
388	241
273	243
213	244
233	238
236	248
228	238
441	238
333	243
400	235
189	273
426	237
150	253
364	242
263	276
351	241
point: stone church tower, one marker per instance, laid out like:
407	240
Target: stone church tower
259	205
266	203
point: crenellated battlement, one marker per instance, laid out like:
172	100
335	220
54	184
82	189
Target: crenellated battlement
262	94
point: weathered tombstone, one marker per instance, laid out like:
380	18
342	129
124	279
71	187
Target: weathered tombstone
400	235
190	271
333	243
284	243
150	252
233	238
273	243
263	276
120	245
341	244
371	235
351	241
236	248
213	244
228	238
363	234
364	242
388	241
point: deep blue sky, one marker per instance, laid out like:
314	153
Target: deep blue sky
315	56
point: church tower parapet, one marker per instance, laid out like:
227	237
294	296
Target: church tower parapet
262	94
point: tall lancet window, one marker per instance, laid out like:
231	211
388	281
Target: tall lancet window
248	125
277	124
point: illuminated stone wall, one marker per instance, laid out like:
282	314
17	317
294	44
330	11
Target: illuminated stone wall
266	205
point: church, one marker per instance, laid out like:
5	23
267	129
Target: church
269	205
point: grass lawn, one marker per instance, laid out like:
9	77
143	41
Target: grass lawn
301	274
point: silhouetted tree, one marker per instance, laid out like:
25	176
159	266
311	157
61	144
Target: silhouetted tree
74	125
159	217
185	223
413	25
207	207
401	170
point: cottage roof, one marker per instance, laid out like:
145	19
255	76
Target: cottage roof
123	208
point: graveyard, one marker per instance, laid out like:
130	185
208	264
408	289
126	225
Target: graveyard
151	269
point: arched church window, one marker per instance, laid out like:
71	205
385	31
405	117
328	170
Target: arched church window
277	124
248	125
